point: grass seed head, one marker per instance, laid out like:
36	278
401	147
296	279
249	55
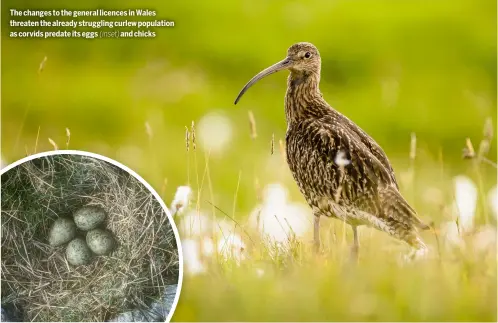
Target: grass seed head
187	139
52	142
192	130
252	124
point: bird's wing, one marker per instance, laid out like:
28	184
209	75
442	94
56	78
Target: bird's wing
371	144
363	166
362	181
394	206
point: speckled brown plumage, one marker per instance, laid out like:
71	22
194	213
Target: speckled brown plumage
341	171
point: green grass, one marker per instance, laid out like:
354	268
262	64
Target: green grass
393	67
451	284
324	289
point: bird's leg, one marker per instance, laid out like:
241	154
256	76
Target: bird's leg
356	244
316	234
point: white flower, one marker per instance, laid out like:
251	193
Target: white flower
231	246
191	257
278	219
451	234
181	199
207	246
195	224
225	228
215	132
211	237
465	202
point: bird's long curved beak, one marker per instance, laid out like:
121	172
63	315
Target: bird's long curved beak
282	65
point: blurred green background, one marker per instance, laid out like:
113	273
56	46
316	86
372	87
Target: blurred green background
393	67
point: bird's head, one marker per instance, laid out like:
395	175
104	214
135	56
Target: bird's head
302	58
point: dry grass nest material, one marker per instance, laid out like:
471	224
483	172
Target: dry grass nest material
36	278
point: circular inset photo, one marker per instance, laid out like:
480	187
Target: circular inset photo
84	238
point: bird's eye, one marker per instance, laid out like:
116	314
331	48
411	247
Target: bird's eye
307	55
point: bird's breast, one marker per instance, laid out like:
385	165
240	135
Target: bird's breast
309	167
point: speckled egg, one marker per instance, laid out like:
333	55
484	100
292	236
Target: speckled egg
89	217
100	241
63	230
78	253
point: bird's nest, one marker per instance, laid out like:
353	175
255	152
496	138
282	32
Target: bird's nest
38	282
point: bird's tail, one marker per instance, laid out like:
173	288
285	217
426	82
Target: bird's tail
398	209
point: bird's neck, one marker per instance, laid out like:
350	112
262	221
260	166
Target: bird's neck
303	98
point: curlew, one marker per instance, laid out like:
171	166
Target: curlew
341	171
